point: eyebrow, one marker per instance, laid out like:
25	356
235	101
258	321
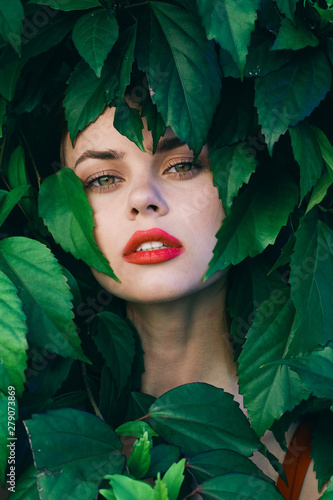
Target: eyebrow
109	154
167	144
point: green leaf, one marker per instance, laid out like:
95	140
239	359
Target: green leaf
236	485
261	59
17	174
114	338
3	110
126	47
94	35
136	429
321	448
47	371
45	295
8	200
232	166
328	495
162	457
68	4
26	486
173	478
160	490
307	153
319	191
294	37
128	122
326	148
230	24
13	342
256	217
6	409
68	215
173	51
269	391
311	276
316	371
11	16
180	417
126	488
285	100
217	462
69	444
287	7
9	75
286	252
155	122
139	461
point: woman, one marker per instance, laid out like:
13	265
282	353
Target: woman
156	218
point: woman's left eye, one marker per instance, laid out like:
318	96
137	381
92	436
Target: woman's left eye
182	169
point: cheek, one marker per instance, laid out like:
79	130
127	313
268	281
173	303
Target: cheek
204	208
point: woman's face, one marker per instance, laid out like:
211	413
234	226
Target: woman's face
156	215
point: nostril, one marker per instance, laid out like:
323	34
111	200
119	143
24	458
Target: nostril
153	207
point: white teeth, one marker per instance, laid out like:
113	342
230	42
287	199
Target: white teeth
151	245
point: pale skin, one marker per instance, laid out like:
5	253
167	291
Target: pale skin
181	319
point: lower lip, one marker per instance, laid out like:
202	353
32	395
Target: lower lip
153	256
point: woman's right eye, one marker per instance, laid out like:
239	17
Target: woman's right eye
103	182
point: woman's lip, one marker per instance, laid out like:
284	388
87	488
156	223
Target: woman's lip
152	256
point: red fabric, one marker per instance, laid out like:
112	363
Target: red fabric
296	462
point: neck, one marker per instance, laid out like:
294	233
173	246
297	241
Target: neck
186	341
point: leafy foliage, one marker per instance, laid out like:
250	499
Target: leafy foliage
253	80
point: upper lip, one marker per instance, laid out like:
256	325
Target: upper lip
154	234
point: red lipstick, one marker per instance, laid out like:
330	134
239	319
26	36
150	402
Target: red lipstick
132	255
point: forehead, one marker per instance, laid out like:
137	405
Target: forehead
102	135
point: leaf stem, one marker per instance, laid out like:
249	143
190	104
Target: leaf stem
32	159
89	392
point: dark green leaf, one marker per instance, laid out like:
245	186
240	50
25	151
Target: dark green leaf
68	215
9	75
307	153
287	7
180	63
311	277
232	166
173	479
217	462
230	24
139	460
236	485
6	408
294	37
155	122
127	41
114	339
286	253
26	486
68	4
285	100
128	122
261	59
72	451
162	457
180	417
140	404
316	371
8	200
11	16
3	110
326	148
47	371
13	342
44	293
17	174
320	190
94	35
126	488
321	448
256	217
269	391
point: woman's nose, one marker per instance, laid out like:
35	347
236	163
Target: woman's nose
146	198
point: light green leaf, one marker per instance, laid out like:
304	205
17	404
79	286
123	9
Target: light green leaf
236	485
328	495
68	5
294	37
319	191
11	16
173	478
269	391
160	490
114	338
307	153
230	24
68	215
321	448
232	166
173	50
311	276
6	409
26	486
256	217
94	35
316	371
180	417
284	101
69	444
8	200
139	461
287	7
126	488
45	295
13	342
136	428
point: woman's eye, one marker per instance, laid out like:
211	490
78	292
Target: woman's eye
106	180
103	182
182	167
